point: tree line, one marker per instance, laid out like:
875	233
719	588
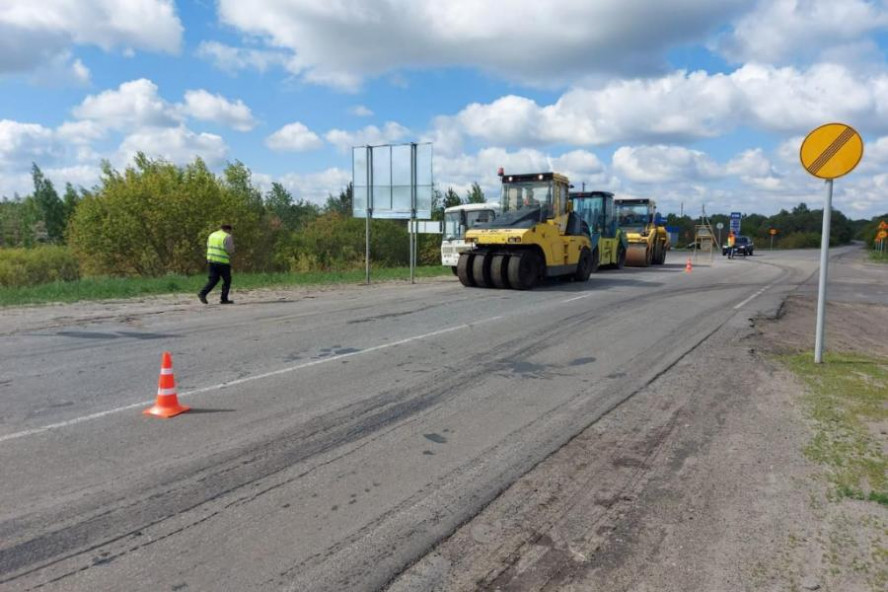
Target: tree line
796	229
153	218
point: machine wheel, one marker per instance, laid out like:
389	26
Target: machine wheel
621	257
584	266
481	270
524	270
454	270
499	271
596	261
659	254
464	269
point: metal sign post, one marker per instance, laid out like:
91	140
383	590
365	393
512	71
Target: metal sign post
413	240
368	212
824	269
828	152
719	227
393	182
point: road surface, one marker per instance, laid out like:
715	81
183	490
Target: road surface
336	436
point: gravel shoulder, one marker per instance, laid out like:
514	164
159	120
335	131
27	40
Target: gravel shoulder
15	319
698	482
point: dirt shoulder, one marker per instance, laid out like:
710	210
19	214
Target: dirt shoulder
15	319
697	483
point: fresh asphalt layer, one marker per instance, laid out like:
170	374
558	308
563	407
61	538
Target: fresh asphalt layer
333	440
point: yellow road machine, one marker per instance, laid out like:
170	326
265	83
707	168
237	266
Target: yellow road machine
597	210
647	237
535	236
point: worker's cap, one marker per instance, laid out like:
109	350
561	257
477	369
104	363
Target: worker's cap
226	227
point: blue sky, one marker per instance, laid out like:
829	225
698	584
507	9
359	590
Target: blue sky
692	102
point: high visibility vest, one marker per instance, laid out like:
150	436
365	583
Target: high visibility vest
216	252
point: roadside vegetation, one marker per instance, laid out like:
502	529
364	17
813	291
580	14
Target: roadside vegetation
799	228
877	256
103	288
143	231
847	399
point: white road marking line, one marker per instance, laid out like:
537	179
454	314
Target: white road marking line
577	298
759	293
220	386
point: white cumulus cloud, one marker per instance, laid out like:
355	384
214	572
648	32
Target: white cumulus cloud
340	43
36	33
23	143
360	111
133	104
234	59
206	106
663	164
295	137
787	31
314	187
174	144
679	107
390	133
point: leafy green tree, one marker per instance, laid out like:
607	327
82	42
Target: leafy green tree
333	242
50	206
154	218
71	199
475	195
451	198
292	215
343	204
19	218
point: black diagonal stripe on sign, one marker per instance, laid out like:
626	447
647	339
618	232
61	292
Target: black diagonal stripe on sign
831	150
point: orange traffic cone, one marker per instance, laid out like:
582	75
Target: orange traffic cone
688	267
167	403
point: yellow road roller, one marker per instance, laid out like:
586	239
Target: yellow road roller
535	236
647	237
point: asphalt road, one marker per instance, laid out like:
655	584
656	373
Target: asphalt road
333	440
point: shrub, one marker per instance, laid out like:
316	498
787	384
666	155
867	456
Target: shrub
29	267
800	240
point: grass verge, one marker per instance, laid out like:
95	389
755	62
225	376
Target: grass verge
848	400
115	288
877	257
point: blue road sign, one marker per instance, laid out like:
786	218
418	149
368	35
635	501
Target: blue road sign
735	222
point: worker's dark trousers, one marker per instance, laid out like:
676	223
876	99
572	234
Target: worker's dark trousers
218	270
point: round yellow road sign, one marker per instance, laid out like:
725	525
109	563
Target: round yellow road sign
882	235
831	150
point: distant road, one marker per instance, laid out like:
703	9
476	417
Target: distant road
333	439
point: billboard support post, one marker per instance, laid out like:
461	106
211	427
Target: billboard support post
368	212
413	236
393	182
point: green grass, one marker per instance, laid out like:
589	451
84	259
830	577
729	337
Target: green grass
847	394
116	288
877	257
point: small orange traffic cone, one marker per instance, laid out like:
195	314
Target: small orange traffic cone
167	403
688	267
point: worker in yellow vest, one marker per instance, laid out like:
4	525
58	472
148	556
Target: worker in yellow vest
731	242
220	248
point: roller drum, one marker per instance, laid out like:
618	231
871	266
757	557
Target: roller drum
638	255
